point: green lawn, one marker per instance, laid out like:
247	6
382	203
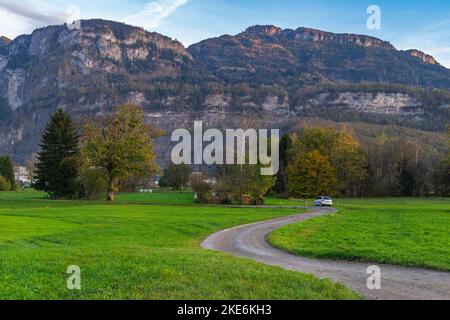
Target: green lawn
411	232
177	198
172	198
136	251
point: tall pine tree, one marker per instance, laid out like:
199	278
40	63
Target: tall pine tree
56	168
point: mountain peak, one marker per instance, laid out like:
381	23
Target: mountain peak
426	58
361	40
269	30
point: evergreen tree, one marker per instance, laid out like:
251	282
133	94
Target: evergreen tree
7	171
281	185
56	168
406	179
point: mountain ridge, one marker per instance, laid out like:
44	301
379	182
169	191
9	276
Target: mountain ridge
271	74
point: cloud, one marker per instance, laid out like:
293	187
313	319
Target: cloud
155	12
438	26
35	16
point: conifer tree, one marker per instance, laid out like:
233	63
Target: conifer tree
56	168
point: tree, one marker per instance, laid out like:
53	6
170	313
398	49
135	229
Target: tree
57	168
163	180
406	179
311	175
177	177
201	188
399	165
4	184
7	171
281	185
243	184
442	178
121	144
442	174
342	151
92	183
350	163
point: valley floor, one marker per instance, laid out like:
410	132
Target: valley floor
147	246
129	250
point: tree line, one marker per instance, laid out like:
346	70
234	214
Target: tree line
108	151
116	151
324	161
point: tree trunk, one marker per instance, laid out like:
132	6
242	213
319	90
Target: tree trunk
111	195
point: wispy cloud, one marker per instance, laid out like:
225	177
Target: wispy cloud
32	13
155	12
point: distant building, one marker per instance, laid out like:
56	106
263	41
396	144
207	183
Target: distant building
209	180
22	175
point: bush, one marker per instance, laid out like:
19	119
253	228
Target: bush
201	189
7	171
5	185
93	184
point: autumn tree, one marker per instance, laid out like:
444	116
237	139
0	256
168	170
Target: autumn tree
121	144
311	174
57	167
350	164
341	150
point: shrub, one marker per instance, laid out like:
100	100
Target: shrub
5	185
93	184
201	189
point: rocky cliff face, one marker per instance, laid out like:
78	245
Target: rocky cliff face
425	58
313	35
394	104
267	54
258	73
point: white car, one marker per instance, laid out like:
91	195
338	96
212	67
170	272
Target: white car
323	201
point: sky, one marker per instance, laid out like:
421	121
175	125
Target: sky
407	24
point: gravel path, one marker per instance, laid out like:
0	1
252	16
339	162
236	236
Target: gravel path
397	283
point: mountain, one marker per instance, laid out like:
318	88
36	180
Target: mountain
275	76
264	54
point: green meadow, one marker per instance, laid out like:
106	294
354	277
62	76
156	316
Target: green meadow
409	232
145	246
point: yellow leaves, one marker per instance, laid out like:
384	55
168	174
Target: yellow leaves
122	144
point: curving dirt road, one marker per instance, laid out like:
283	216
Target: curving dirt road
397	283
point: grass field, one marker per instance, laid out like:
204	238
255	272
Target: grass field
176	198
136	251
412	232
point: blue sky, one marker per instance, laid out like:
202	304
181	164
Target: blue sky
423	25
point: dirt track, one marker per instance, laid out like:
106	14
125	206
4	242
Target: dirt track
396	282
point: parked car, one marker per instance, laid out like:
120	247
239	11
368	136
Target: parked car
323	201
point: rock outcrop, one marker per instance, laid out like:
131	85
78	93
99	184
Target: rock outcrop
426	58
